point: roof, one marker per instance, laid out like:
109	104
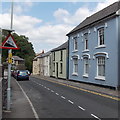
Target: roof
17	58
61	47
104	13
44	54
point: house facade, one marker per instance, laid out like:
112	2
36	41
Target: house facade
35	69
18	63
44	64
41	64
94	48
58	62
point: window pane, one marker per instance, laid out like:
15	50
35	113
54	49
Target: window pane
101	36
101	66
75	67
86	66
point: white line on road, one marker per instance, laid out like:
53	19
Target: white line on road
56	93
81	108
44	86
70	101
95	117
33	109
63	97
48	89
52	91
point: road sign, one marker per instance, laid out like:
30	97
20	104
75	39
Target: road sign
9	43
10	58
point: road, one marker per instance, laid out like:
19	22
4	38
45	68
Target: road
52	100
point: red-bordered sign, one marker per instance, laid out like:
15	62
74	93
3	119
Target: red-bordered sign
9	43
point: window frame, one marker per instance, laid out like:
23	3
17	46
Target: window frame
86	70
75	69
100	67
75	43
86	41
101	42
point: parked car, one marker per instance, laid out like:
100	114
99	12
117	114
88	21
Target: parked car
22	75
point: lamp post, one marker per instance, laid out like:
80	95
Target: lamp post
9	65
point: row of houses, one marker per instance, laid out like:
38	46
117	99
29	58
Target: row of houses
91	54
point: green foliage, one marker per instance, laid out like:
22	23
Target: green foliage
26	50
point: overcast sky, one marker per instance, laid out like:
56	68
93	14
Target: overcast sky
47	23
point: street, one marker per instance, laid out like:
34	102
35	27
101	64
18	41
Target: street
52	100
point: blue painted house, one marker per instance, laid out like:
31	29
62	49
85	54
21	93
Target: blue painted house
94	48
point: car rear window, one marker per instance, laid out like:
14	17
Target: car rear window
23	73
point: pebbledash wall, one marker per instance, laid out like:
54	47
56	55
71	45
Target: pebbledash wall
119	50
109	50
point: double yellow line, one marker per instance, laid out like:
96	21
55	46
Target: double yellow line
96	93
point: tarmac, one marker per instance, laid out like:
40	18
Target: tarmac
21	108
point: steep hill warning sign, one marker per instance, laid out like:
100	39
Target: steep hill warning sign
9	43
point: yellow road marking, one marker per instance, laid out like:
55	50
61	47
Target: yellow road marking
96	93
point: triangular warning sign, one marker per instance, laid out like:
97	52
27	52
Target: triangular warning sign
9	43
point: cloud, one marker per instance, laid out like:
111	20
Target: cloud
48	36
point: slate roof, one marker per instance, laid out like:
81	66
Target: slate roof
17	58
44	54
102	14
61	47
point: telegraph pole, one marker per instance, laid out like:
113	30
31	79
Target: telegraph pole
9	65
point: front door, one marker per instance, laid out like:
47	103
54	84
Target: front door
56	70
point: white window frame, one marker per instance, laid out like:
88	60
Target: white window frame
75	70
85	41
101	77
86	64
75	44
99	40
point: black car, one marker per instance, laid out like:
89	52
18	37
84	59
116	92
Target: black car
22	75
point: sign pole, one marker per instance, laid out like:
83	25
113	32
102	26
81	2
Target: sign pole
9	66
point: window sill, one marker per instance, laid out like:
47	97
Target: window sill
85	76
74	74
87	50
100	46
100	78
75	51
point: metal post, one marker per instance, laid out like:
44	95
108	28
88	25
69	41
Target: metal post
9	67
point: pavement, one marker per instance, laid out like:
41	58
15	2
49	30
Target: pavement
21	108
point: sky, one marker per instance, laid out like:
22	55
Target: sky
47	23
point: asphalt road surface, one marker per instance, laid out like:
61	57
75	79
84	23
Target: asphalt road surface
52	100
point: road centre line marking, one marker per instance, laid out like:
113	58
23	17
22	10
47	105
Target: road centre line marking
70	101
48	88
56	93
95	116
81	108
96	93
63	97
52	91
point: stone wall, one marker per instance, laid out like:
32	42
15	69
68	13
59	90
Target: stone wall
0	92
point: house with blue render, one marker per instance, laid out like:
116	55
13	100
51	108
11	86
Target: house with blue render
94	48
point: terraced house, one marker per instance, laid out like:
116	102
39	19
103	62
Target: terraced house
94	48
58	62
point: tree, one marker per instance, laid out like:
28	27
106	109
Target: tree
26	50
